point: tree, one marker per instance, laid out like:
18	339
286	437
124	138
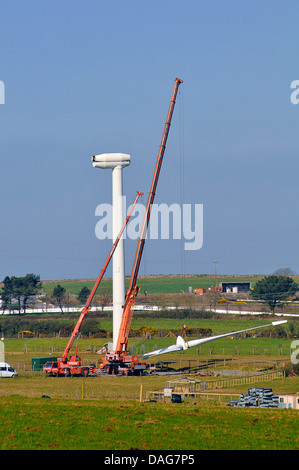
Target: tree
59	294
284	272
7	291
83	294
20	289
274	289
30	286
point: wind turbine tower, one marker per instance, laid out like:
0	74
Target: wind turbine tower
116	162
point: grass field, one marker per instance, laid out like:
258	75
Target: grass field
111	415
266	347
153	284
123	425
106	412
255	345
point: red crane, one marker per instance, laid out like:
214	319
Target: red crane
119	360
73	366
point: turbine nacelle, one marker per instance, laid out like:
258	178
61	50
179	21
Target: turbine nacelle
110	160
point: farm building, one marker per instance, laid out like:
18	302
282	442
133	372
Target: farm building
289	401
235	287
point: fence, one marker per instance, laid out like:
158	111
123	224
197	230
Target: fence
198	388
244	380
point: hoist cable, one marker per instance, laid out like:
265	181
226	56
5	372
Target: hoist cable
182	176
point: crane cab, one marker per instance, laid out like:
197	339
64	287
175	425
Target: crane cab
124	364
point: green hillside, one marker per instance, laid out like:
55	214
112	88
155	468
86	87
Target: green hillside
153	284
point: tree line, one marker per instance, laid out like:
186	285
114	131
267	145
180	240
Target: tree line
20	292
62	326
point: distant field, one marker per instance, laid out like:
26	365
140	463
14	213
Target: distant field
153	284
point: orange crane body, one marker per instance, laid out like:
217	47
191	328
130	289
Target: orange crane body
119	360
73	366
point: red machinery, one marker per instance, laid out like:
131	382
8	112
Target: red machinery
73	366
120	361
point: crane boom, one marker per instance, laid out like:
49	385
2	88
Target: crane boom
133	288
87	306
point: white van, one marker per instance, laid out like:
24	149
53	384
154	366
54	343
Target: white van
6	370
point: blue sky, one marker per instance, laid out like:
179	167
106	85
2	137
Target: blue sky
89	77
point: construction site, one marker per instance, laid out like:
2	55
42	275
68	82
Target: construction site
117	359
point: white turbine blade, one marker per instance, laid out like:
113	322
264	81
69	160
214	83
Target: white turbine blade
179	346
182	345
169	349
197	342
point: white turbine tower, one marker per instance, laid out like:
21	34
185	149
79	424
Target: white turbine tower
116	162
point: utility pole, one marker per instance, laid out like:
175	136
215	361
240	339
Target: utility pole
215	274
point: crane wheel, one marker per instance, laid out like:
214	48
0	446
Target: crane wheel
84	371
66	371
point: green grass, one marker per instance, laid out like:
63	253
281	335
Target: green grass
74	287
226	346
117	425
153	284
111	417
229	346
